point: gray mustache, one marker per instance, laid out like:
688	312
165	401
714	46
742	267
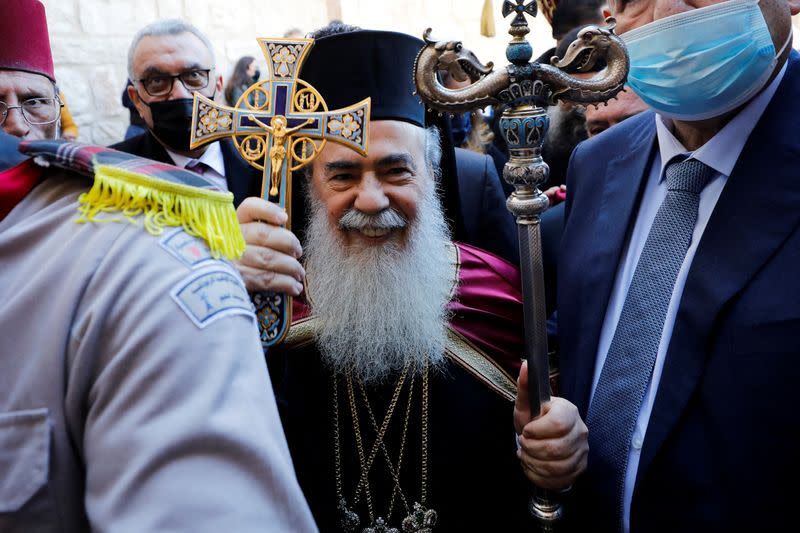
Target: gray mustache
389	218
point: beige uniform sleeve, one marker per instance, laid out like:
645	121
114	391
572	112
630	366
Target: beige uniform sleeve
180	427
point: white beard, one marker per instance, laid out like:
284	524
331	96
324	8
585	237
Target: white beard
380	308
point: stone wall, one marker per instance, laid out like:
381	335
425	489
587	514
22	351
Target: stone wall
90	38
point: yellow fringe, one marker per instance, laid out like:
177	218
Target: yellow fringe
201	212
487	19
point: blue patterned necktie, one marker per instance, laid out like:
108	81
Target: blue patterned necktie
629	363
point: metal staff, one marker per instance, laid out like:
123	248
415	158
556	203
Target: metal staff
524	89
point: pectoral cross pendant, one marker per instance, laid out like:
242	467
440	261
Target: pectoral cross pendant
348	519
420	520
379	526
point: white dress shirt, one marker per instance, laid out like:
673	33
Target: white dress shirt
720	153
212	157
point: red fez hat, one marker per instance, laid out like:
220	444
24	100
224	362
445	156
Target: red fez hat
26	43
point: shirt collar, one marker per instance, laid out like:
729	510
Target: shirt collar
724	148
211	157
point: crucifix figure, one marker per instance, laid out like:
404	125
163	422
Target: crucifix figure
277	153
279	125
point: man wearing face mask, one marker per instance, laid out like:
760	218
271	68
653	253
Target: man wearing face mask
678	312
168	61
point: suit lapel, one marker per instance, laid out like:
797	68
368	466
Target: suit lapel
758	208
243	180
622	188
154	150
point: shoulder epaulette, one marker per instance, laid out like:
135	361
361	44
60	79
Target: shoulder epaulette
162	194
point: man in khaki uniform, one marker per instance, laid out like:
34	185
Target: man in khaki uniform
134	395
133	391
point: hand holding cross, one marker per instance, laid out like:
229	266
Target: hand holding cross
279	125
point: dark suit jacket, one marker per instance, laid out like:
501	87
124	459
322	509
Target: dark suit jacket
552	227
488	224
723	434
243	180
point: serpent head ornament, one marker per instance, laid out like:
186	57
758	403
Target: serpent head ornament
522	82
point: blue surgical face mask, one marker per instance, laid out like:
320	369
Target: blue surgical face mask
704	62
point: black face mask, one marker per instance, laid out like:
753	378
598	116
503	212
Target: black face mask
172	122
256	76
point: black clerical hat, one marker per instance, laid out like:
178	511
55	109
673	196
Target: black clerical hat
347	67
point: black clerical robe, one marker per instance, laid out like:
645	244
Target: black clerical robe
474	480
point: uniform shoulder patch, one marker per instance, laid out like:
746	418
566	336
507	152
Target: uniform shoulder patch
191	251
210	294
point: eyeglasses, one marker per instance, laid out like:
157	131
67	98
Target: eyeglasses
161	84
34	110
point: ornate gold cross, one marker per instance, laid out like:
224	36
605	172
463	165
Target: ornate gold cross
280	125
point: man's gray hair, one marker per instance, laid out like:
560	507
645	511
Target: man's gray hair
433	152
167	27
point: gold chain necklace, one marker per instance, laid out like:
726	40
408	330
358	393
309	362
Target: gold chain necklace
418	519
394	472
366	466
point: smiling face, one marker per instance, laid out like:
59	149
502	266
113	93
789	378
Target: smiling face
377	234
390	181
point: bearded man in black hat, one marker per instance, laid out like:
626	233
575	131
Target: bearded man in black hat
396	379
